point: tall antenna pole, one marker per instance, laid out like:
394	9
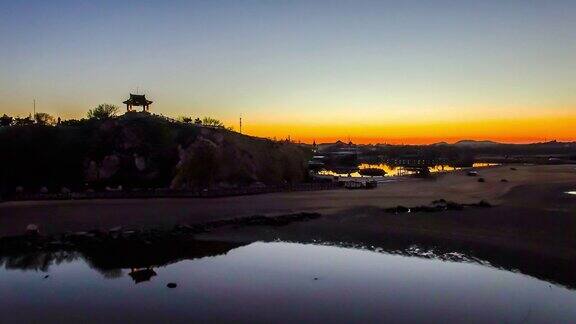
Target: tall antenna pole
34	116
240	124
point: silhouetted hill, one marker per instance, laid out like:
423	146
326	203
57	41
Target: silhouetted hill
140	150
473	144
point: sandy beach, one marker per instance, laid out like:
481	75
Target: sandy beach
60	216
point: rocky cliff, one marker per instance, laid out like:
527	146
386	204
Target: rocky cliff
141	151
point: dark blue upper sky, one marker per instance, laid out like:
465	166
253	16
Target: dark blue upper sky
304	59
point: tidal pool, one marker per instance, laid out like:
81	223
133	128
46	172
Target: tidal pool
278	282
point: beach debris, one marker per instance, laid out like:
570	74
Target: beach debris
96	232
483	203
184	228
513	169
171	285
436	206
472	173
503	180
32	229
55	244
116	237
115	229
447	205
398	210
46	276
481	180
280	220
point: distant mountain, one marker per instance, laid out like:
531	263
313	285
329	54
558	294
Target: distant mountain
472	143
330	146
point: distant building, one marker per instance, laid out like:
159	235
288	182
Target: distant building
137	100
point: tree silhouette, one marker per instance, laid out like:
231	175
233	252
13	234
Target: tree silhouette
185	119
23	121
209	121
6	120
42	118
103	111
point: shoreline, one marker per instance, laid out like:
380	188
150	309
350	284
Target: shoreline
530	227
479	233
225	192
54	217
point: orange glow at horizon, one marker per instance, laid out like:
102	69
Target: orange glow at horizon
506	130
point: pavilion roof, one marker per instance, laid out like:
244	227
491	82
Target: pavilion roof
137	100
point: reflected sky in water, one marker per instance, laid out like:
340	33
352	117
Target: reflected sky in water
271	282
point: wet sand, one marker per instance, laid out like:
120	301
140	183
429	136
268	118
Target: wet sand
532	231
60	216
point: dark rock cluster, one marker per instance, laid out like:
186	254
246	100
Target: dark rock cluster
436	206
120	237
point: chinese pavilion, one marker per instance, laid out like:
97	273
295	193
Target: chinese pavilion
137	100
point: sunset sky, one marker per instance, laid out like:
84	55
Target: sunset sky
374	71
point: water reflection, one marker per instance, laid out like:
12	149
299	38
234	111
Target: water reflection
37	261
279	281
571	192
394	171
112	264
142	275
141	264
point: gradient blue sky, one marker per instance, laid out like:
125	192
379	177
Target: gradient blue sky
301	67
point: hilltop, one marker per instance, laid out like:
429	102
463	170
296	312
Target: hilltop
141	150
475	144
